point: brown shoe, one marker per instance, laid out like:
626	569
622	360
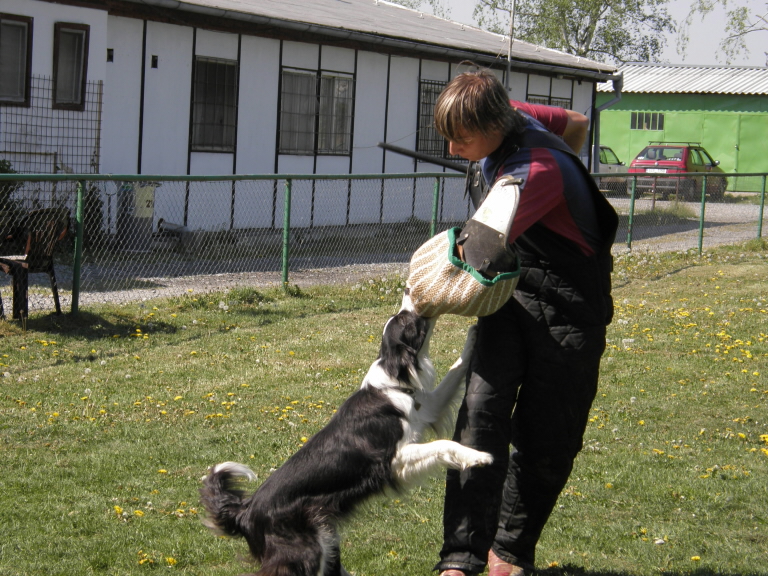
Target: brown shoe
497	567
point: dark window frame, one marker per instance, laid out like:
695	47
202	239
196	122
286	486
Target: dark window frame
307	128
27	100
223	107
58	28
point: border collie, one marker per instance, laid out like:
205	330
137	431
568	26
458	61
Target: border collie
369	446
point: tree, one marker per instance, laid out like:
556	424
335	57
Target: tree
603	30
740	22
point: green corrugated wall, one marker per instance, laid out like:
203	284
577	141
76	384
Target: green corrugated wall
733	129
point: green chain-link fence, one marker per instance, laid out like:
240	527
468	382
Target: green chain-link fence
140	237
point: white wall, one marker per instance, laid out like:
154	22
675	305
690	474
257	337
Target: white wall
122	97
167	99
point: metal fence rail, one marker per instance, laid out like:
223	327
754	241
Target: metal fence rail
139	237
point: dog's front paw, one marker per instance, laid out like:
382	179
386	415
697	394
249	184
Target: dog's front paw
478	459
464	457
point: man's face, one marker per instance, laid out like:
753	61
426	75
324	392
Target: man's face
475	146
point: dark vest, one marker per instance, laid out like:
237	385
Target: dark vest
559	283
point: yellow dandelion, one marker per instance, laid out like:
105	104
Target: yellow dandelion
138	513
695	558
162	471
171	561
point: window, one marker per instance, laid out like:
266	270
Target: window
15	59
549	101
70	65
647	121
214	105
430	141
695	157
316	112
334	135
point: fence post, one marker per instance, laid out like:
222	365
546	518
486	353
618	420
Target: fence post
762	210
435	205
286	230
77	264
703	209
630	221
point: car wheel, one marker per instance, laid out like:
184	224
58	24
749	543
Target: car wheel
688	190
717	190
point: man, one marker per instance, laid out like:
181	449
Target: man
534	372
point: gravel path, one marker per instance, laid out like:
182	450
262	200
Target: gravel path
725	224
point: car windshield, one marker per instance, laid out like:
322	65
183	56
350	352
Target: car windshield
661	153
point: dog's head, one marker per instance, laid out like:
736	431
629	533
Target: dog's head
404	335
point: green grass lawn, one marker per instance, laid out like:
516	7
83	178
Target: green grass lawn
108	421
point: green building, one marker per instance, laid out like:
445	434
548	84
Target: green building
723	108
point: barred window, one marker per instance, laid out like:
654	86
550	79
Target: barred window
647	121
549	101
15	59
214	105
430	141
70	65
316	112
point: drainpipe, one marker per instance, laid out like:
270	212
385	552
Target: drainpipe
618	84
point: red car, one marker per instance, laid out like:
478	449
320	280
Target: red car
670	158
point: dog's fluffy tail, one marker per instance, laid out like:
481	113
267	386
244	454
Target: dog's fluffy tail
223	499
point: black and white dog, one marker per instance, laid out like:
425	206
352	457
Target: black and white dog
369	446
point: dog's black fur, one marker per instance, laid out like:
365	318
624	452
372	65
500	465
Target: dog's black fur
367	447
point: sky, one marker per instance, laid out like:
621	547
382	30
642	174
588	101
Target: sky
705	35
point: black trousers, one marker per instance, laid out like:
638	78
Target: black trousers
530	384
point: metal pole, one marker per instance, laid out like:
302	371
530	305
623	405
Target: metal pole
435	205
762	210
286	230
632	193
79	204
703	208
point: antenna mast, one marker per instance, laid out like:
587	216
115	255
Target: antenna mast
509	45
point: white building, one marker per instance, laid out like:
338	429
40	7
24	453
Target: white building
245	86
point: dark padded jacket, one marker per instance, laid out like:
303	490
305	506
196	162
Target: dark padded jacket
559	284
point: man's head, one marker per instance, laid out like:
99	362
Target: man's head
473	113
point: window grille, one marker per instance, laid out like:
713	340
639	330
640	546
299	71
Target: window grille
316	113
430	141
647	121
214	105
70	70
15	59
549	101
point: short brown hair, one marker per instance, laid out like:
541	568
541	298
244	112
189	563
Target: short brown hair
475	102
